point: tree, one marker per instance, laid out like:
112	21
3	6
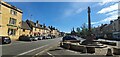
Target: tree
84	30
78	30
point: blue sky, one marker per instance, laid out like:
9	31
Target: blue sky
66	15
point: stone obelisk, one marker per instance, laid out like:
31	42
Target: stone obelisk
89	20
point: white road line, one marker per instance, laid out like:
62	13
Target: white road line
30	51
72	51
45	50
50	54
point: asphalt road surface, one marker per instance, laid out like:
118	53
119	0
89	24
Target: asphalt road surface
28	49
41	48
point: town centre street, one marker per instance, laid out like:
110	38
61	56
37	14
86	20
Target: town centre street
28	48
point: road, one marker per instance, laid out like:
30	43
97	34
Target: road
41	48
20	48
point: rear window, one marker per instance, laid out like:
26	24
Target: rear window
69	38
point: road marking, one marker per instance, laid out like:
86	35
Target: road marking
30	51
50	54
72	51
43	51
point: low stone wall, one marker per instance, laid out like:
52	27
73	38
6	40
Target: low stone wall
80	48
116	51
108	43
77	47
66	45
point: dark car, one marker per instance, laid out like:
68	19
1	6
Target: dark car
66	38
25	38
48	37
44	37
5	40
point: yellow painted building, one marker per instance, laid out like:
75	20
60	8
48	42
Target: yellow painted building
55	33
10	21
36	28
25	29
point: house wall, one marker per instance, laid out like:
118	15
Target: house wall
55	32
26	32
36	31
116	25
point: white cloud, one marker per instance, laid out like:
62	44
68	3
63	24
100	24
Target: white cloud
109	18
104	2
109	9
80	10
112	13
76	8
106	20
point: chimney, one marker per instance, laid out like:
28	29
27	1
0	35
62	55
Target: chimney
36	23
44	25
111	22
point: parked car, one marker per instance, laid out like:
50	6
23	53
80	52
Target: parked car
48	37
67	38
5	40
40	37
44	37
34	38
25	38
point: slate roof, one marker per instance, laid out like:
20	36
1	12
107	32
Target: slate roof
33	24
25	26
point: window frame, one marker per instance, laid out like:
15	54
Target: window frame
13	31
13	12
12	21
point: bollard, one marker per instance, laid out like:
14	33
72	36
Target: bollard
109	52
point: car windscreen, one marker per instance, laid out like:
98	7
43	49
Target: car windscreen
69	38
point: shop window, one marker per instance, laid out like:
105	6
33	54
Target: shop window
11	31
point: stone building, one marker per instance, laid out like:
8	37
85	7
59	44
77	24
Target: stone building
10	20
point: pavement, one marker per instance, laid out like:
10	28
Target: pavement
27	49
